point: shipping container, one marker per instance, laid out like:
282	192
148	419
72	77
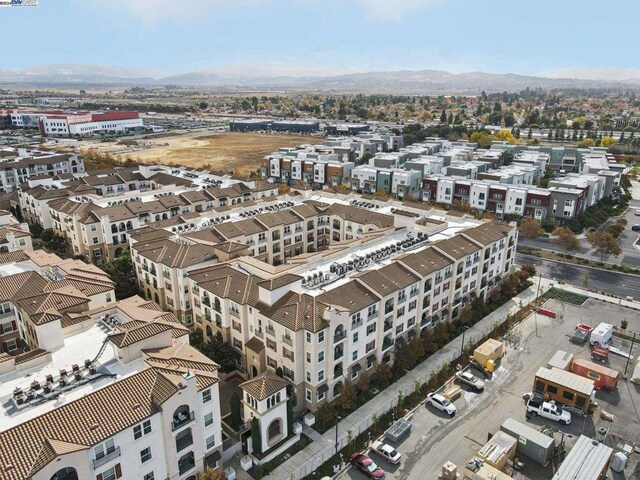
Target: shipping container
604	378
498	450
532	444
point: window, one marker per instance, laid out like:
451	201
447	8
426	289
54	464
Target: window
208	419
552	389
308	394
104	449
308	337
206	396
148	476
211	441
321	356
145	455
111	474
370	346
320	375
141	429
308	357
567	395
308	375
321	336
355	337
354	356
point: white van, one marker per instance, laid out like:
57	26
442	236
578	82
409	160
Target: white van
601	335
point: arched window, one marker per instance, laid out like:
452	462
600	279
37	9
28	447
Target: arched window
164	216
157	299
114	229
209	331
337	389
157	218
129	225
67	473
122	227
274	430
216	304
148	294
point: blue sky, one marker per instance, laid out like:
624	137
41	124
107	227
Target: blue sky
332	36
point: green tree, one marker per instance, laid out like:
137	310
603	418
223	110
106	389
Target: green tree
221	352
289	415
347	397
443	116
604	243
203	105
326	414
123	273
212	474
256	438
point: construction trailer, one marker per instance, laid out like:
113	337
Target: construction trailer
565	388
604	378
532	443
587	460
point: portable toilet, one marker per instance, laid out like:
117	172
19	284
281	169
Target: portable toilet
619	462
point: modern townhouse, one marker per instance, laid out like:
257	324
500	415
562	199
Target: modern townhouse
310	168
126	396
395	181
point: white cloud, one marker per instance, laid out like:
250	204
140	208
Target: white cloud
151	12
395	10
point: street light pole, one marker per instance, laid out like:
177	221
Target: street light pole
464	330
337	423
633	340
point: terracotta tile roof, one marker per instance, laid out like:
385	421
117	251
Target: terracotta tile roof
83	422
280	281
172	254
360	216
21	285
255	344
295	312
135	335
17	232
353	296
13	257
388	279
488	233
30	355
457	247
263	386
225	281
425	261
207	236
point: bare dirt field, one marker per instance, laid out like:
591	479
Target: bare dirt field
240	152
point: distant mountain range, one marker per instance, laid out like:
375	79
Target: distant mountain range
400	82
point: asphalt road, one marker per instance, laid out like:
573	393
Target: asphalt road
614	283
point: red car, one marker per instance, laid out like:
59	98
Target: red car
367	466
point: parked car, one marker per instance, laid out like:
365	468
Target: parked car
636	227
387	451
367	466
438	401
471	381
637	213
548	410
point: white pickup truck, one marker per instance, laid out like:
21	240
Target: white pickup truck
548	410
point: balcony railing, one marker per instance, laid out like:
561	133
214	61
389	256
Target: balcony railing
98	462
181	420
413	293
387	326
235	313
287	340
338	354
270	331
259	334
388	309
387	344
186	465
373	314
356	324
183	442
338	337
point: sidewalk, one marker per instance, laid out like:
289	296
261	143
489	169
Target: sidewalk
295	467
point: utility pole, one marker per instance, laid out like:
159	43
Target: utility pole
462	347
633	340
535	312
337	423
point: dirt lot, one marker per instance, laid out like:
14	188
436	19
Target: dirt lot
227	151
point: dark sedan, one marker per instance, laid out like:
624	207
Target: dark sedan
367	466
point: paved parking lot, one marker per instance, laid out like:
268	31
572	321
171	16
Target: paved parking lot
435	438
